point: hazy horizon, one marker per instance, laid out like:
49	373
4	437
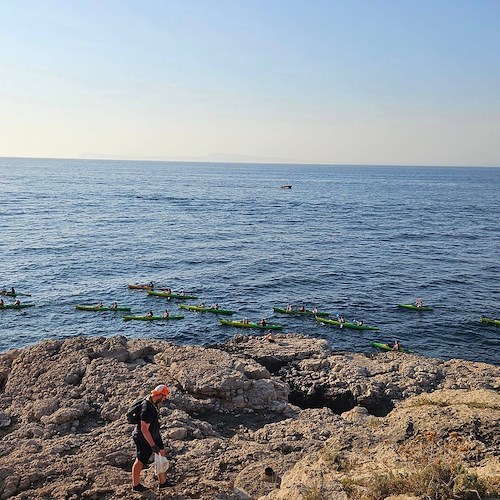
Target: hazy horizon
247	161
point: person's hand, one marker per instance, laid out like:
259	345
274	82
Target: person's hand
155	449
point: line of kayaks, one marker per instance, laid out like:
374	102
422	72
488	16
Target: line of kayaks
320	316
346	324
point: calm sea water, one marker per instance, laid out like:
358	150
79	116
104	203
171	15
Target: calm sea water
349	240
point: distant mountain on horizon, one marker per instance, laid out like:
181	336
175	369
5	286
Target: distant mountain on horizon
214	157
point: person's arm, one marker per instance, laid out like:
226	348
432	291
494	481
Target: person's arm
147	435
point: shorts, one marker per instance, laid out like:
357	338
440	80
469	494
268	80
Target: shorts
144	451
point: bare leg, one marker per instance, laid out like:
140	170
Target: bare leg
136	472
161	476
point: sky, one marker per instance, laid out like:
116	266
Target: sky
386	82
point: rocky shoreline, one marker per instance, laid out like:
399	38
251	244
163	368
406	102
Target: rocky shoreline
248	419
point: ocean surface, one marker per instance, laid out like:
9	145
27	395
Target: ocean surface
354	241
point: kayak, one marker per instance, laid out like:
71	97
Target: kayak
299	313
140	287
386	347
226	312
413	307
8	293
150	318
12	306
490	321
171	295
240	324
103	308
346	324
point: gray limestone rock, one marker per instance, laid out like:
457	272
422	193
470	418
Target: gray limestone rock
320	420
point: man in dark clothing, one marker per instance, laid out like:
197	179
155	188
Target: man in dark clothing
147	437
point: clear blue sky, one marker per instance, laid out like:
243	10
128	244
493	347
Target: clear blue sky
317	81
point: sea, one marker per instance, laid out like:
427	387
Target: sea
351	240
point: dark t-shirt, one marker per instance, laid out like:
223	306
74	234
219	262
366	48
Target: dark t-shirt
149	414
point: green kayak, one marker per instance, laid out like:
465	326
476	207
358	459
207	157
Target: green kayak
12	306
150	318
299	313
387	347
490	321
103	308
240	324
346	324
413	307
171	295
226	312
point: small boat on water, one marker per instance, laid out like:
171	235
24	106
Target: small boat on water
490	321
387	347
10	293
138	286
413	307
213	310
241	324
172	295
80	307
16	306
151	318
346	324
286	186
297	312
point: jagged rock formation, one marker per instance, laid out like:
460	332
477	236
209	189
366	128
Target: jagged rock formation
248	419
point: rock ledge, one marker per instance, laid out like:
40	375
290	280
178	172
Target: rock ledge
247	419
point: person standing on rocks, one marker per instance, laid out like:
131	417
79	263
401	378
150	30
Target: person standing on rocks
147	437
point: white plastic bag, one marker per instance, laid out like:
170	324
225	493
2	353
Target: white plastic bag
161	464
